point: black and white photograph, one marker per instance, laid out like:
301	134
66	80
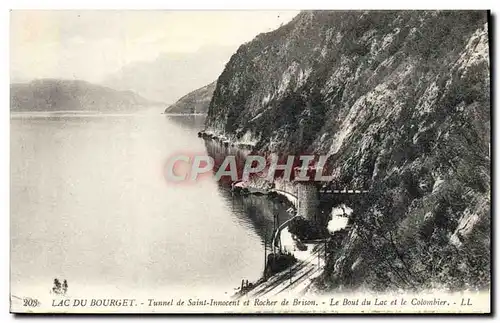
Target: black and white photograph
250	161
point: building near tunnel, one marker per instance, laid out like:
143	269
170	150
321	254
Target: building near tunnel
308	194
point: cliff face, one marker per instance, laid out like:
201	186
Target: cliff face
400	102
72	95
196	101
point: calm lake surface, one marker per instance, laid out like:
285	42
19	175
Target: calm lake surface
89	204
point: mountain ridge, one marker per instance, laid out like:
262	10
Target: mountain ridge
75	95
171	75
400	102
195	102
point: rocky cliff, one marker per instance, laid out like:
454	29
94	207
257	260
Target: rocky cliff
400	101
196	101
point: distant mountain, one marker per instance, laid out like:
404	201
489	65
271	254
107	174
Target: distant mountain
72	95
194	102
171	75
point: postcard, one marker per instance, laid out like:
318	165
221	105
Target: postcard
245	162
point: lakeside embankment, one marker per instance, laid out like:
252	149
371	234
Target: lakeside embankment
291	264
245	143
296	256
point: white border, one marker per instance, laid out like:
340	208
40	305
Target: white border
248	4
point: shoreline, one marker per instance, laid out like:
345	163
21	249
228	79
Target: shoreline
292	264
209	135
245	290
297	274
183	114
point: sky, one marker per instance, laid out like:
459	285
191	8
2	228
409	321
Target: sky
89	45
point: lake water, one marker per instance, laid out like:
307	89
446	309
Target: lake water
89	204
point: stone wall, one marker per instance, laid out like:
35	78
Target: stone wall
308	194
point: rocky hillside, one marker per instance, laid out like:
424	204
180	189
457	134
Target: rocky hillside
194	102
400	101
72	95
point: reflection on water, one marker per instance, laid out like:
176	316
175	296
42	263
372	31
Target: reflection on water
255	212
190	123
